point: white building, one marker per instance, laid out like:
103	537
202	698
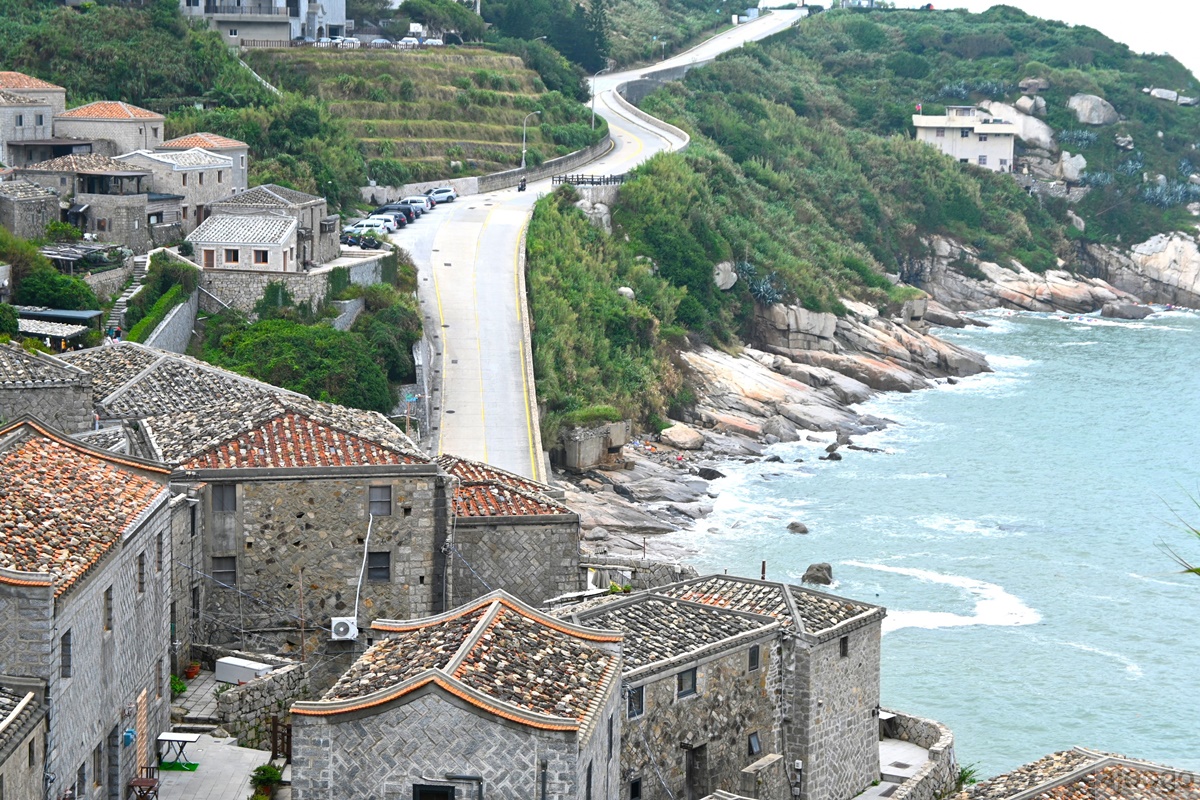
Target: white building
198	176
270	20
965	133
262	243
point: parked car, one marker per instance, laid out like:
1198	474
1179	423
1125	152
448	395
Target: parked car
382	43
398	217
442	194
407	211
380	227
304	40
389	221
407	42
350	43
325	41
420	199
432	43
417	211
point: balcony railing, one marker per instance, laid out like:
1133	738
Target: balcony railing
256	10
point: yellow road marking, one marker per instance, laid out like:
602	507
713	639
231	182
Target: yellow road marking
533	465
478	334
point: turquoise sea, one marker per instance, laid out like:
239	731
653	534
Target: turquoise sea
1014	527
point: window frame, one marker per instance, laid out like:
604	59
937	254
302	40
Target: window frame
262	256
141	572
237	255
65	655
640	693
844	647
693	689
983	160
753	744
635	789
373	569
224	569
372	502
108	610
226	492
754	658
965	133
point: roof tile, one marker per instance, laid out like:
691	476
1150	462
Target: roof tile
238	229
495	499
109	109
19	80
83	162
19	367
269	195
207	141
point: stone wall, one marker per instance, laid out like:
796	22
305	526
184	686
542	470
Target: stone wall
533	559
246	710
378	195
834	728
554	166
940	773
22	761
110	282
64	404
27	217
641	573
766	779
437	735
348	311
730	703
175	331
241	289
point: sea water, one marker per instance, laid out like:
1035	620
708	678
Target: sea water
1017	527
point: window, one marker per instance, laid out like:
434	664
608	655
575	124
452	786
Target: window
1004	162
964	133
97	764
983	137
20	120
260	256
39	120
636	705
2	787
844	646
184	177
232	255
224	497
610	737
224	570
243	162
941	133
154	132
587	790
195	602
983	161
218	176
64	655
32	753
753	745
685	683
635	789
185	212
755	652
233	31
141	573
379	566
158	673
158	554
81	781
380	501
108	609
201	177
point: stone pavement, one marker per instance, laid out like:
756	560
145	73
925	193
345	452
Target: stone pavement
223	774
199	701
898	761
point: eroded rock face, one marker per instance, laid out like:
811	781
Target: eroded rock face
1125	311
1070	167
683	437
1092	110
818	573
1032	131
1162	269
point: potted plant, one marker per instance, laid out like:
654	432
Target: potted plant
263	781
191	670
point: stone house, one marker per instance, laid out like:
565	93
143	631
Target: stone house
263	243
511	532
45	388
26	208
238	152
22	737
22	118
35	89
966	134
317	234
702	689
34	140
493	698
112	200
92	626
198	176
114	127
1084	774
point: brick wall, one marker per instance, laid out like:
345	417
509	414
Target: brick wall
526	557
730	703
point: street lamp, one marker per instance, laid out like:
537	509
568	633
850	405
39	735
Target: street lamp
527	116
597	75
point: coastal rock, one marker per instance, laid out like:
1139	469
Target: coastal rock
781	428
710	474
724	276
666	489
616	515
682	437
1169	95
1092	110
1163	269
597	534
1070	167
818	573
797	527
1030	130
832	457
1125	311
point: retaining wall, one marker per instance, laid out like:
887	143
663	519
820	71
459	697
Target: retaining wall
246	710
938	774
111	282
241	289
644	573
348	311
653	122
175	331
503	180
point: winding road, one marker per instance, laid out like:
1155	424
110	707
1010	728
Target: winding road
470	263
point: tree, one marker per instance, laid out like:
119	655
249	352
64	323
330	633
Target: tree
47	287
9	321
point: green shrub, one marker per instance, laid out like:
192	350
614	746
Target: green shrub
175	296
62	232
178	686
45	286
9	320
265	775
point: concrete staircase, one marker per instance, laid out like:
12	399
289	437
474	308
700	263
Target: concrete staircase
116	317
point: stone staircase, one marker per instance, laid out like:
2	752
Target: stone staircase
116	317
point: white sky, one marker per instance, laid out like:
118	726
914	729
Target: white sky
1147	26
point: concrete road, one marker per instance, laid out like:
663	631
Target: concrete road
471	286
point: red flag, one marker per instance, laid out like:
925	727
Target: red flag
918	108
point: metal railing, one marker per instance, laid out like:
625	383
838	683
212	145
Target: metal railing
256	10
589	180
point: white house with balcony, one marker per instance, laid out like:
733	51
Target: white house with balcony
969	135
269	20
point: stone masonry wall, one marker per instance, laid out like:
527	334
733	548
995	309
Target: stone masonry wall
766	779
110	282
529	559
640	573
175	331
20	778
437	736
66	405
241	289
834	703
348	311
940	772
246	710
27	218
730	703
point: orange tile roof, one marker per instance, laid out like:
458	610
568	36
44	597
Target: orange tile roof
63	507
495	499
471	471
19	80
109	109
203	140
1122	781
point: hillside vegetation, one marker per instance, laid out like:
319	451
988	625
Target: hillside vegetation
413	113
804	173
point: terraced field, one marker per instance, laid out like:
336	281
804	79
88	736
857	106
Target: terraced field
434	114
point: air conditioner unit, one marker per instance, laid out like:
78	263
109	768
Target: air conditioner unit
344	629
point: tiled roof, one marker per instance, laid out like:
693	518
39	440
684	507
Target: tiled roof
109	109
83	162
1081	774
15	725
269	195
207	141
494	499
132	381
23	190
63	507
194	157
817	611
280	432
468	470
237	229
661	628
112	438
495	653
19	80
10	99
37	327
20	368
